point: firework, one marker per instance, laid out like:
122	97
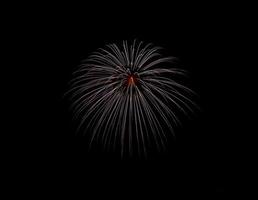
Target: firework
127	97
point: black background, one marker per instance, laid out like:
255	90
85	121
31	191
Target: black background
58	37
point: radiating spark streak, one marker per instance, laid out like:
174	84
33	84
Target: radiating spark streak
126	96
150	116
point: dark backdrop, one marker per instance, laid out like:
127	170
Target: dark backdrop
60	36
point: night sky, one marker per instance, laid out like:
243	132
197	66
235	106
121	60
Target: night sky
60	36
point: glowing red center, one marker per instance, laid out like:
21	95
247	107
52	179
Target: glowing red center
132	79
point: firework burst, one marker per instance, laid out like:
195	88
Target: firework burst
127	97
